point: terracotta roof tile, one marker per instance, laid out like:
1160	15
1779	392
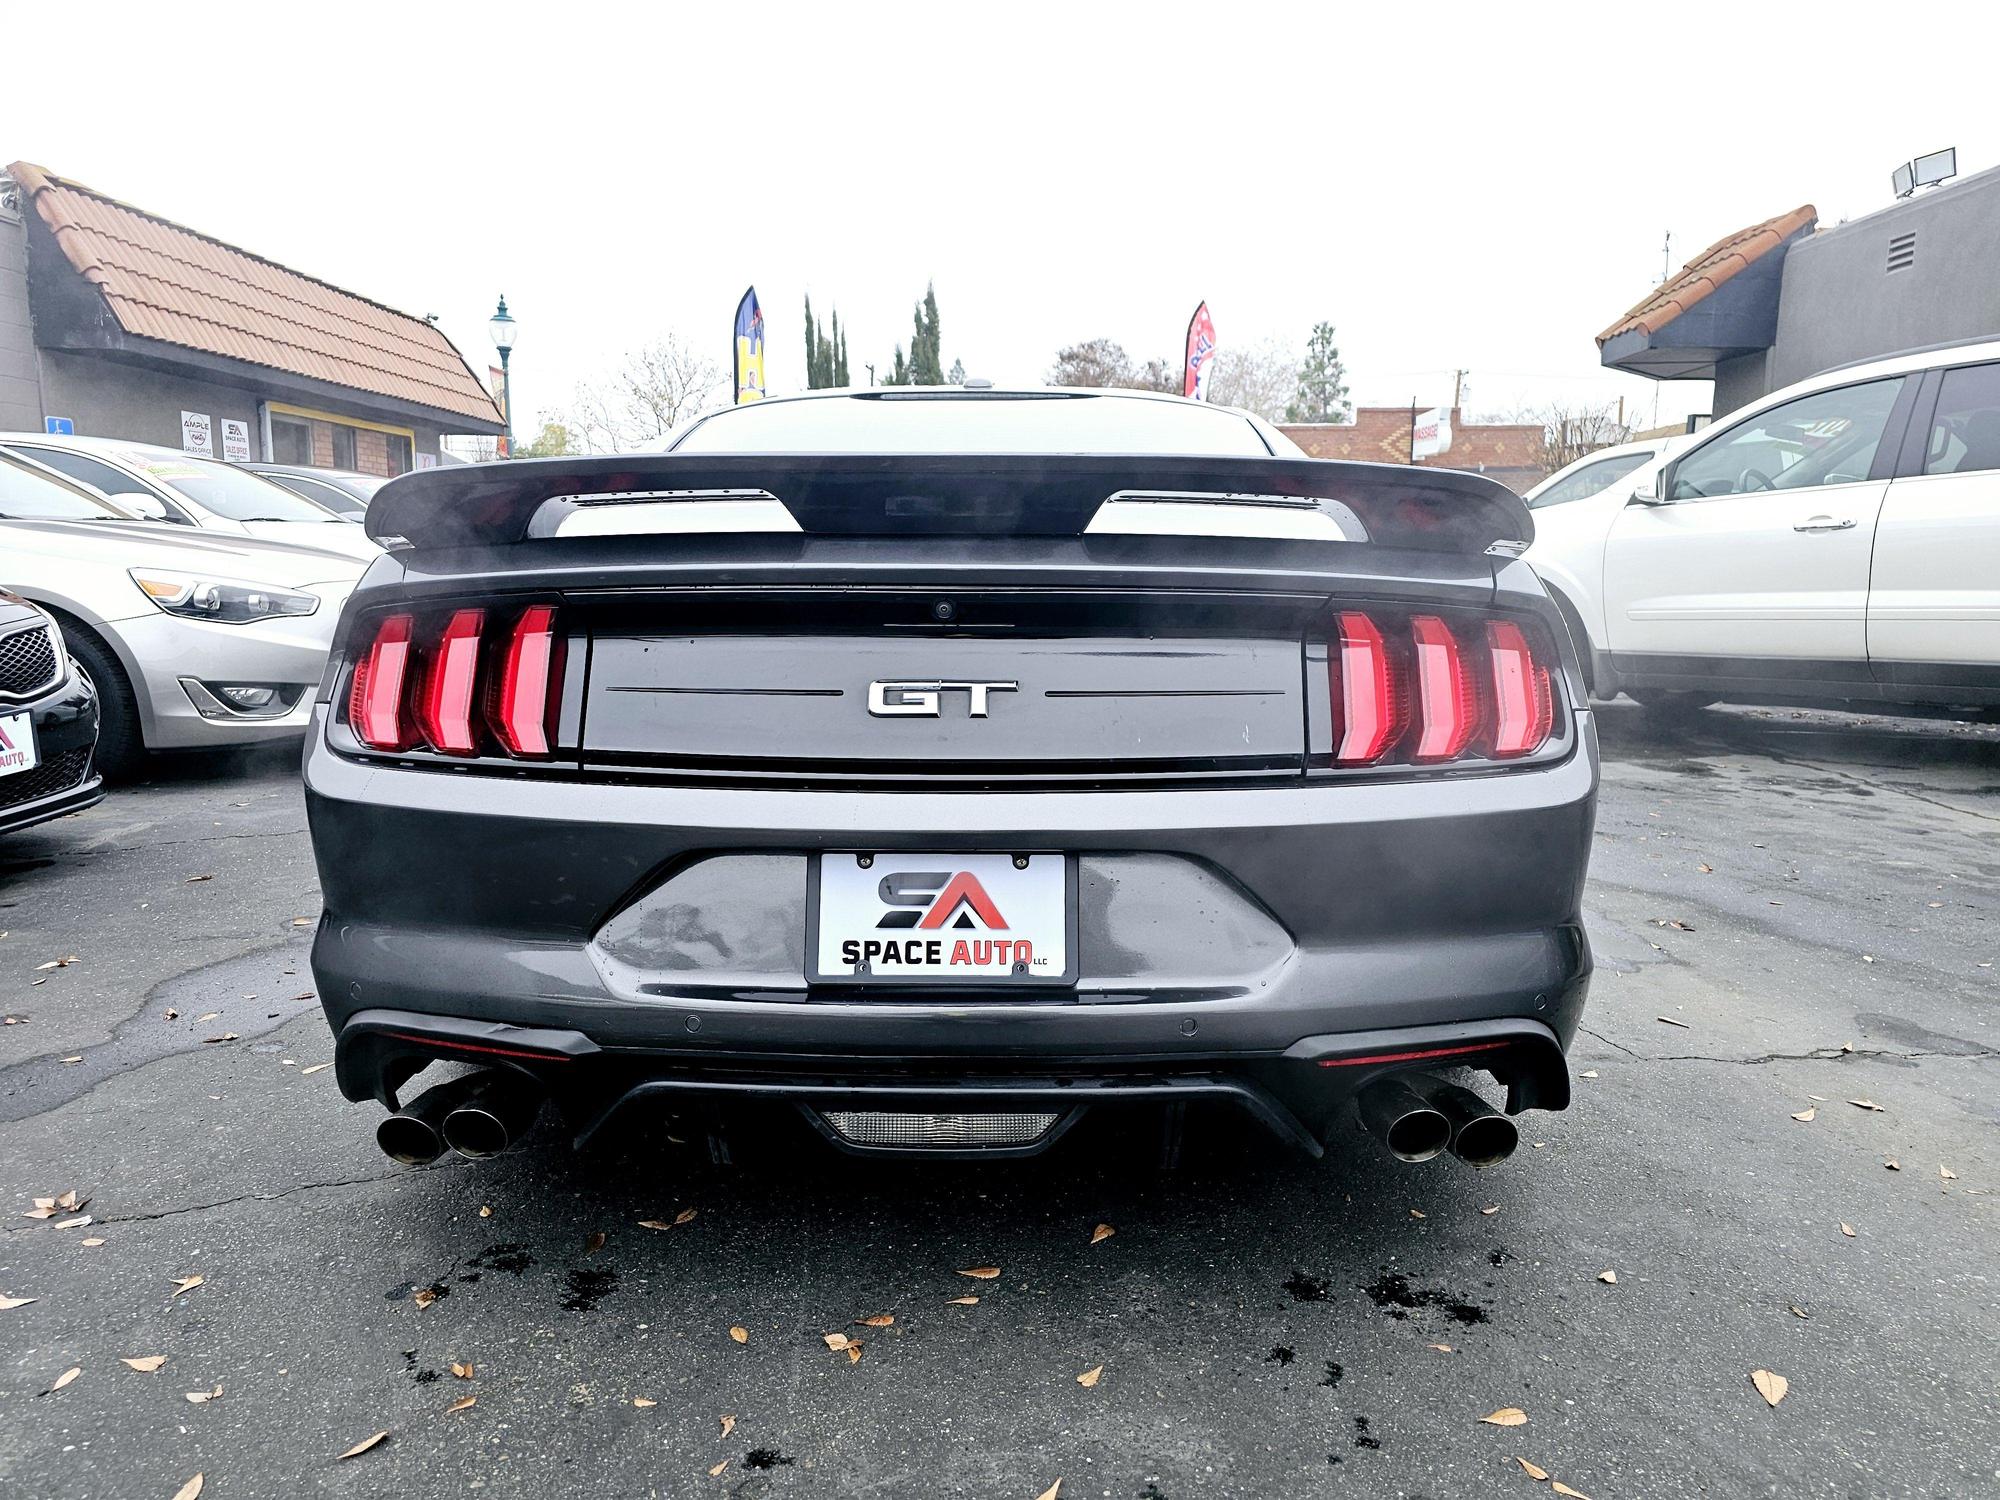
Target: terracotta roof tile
1709	270
164	282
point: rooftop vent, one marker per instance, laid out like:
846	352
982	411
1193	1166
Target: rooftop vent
1902	251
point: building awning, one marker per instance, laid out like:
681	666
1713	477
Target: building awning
1721	304
167	287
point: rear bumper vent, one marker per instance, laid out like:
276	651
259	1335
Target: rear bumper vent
900	1131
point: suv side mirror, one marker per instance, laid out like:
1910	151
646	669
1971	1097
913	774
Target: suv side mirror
1648	492
145	507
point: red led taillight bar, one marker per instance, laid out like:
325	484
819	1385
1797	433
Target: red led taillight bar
460	688
1425	690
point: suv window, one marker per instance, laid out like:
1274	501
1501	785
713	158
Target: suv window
1828	437
1591	479
1965	432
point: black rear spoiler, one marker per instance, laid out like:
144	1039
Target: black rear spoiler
1439	510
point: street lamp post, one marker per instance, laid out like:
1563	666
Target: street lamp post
502	326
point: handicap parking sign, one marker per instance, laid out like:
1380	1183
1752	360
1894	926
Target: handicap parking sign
59	426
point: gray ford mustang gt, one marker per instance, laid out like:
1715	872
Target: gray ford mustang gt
949	766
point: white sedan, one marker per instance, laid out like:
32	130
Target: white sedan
1835	542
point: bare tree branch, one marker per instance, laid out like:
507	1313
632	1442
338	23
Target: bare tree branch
657	388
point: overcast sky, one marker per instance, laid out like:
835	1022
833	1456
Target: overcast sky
1483	186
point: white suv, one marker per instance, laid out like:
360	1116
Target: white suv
1837	541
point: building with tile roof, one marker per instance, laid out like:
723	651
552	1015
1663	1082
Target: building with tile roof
120	323
1786	298
1511	452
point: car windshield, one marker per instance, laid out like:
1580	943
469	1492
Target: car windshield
227	491
1592	479
976	423
30	497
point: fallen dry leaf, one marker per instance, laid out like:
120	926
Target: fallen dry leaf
1533	1471
191	1490
1805	1116
1771	1387
485	1209
1706	869
364	1445
77	1223
227	1036
69	1202
462	1371
1490	1209
1089	1377
741	1335
1101	1232
1868	1104
1588	1073
199	1398
92	1241
424	1296
984	1273
186	1283
1051	1492
1507	1416
685	1216
197	879
1891	1163
1848	1230
654	1224
321	1068
171	1015
1442	1348
302	921
854	1352
1799	1312
67	1060
835	1340
952	1302
728	1425
145	1364
718	1468
66	1377
1946	1173
880	1320
1610	1278
593	1242
207	1015
1672	1022
9	1303
1562	1489
461	1404
642	1402
1418	1213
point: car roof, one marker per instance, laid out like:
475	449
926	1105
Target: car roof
306	471
1935	356
92	444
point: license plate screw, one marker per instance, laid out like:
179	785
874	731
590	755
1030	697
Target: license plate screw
1020	861
866	861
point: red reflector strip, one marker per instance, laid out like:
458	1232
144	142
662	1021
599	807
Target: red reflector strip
375	702
1416	1056
1447	696
1524	707
444	709
525	703
1366	692
479	1047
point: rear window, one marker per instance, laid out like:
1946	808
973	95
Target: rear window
966	423
228	491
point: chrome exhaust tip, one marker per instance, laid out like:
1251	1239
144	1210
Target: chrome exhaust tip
1402	1120
498	1113
1481	1136
413	1135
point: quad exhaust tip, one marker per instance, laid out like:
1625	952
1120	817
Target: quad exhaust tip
478	1115
1417	1117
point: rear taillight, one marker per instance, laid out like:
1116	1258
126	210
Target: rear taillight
1367	692
455	686
375	702
444	706
1428	690
1523	700
524	700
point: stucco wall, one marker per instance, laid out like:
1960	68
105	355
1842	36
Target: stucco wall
1841	302
20	391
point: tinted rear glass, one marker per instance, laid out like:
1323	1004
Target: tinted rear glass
975	424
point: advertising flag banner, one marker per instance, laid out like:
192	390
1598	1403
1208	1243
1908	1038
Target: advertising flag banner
1430	433
1200	354
749	349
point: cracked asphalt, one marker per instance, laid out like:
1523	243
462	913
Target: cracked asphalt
1790	911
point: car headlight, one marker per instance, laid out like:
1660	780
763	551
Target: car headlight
196	596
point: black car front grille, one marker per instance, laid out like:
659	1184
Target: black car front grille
28	661
58	773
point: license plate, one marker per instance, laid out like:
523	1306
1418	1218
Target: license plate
942	918
17	744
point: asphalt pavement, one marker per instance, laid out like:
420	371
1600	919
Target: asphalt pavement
1782	1147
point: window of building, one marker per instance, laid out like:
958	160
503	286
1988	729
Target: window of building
1828	437
343	447
291	440
1965	431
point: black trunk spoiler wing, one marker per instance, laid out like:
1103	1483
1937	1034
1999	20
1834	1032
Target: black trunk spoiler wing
1439	510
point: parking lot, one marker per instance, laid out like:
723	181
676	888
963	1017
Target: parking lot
1782	1148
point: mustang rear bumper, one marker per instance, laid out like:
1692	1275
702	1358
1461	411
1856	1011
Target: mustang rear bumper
1275	947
